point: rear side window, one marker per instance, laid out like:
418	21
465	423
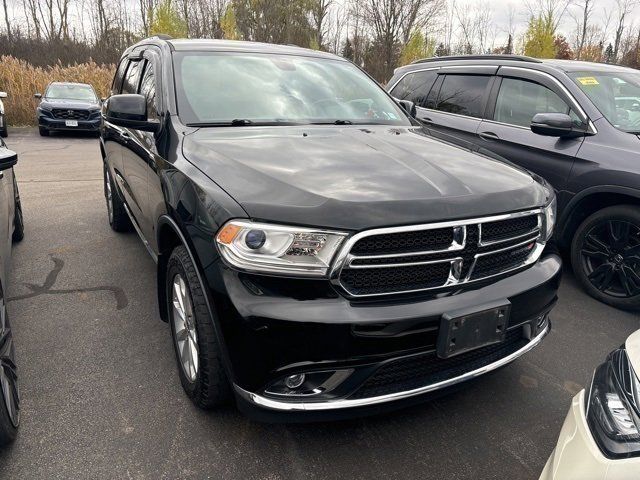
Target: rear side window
463	94
132	77
520	100
415	87
117	80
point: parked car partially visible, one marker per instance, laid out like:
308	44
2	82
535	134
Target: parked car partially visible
577	124
600	438
68	106
11	230
3	117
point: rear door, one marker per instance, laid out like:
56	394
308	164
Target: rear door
456	103
6	214
518	95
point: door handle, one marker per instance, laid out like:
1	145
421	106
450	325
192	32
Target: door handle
426	120
489	136
124	135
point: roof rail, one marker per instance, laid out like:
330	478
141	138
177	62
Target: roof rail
518	58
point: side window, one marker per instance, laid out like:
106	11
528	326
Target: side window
415	87
148	89
117	80
520	100
132	77
463	94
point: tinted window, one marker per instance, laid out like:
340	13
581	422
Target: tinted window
463	94
519	100
273	88
415	87
148	89
132	77
117	80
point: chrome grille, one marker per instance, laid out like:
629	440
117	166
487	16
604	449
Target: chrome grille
434	256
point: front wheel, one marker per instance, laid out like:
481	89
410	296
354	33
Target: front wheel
195	341
4	131
605	256
118	218
9	394
44	132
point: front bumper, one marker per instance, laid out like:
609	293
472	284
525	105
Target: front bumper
577	457
271	332
91	125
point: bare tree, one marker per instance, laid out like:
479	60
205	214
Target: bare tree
624	9
391	22
585	12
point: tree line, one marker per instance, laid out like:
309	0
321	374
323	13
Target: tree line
379	35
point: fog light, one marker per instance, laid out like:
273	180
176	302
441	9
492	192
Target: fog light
294	381
255	239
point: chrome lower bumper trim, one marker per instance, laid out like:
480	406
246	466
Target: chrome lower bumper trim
272	404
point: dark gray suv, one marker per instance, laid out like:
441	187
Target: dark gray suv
575	123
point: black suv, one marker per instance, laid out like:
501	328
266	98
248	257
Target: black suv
316	250
11	230
574	123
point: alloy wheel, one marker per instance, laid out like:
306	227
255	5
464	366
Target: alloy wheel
184	325
610	257
8	374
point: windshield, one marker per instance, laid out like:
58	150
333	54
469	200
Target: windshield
70	92
615	94
218	88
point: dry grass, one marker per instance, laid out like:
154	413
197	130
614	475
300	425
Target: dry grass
21	80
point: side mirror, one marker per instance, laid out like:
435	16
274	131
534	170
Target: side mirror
408	106
555	125
7	158
38	95
3	94
129	111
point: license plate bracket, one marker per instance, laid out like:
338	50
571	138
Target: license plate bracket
465	330
71	123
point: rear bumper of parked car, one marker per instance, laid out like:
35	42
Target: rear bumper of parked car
91	125
377	352
577	457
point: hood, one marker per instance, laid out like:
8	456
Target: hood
70	104
632	346
355	177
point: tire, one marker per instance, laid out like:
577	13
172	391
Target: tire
206	384
116	213
605	256
44	132
18	219
9	392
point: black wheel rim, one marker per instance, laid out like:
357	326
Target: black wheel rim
610	256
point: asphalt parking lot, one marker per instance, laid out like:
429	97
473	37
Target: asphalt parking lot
101	396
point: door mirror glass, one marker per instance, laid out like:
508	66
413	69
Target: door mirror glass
8	158
129	111
408	106
38	95
554	125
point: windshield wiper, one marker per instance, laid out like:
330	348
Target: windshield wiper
243	122
334	122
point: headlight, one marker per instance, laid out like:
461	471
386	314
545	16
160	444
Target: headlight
613	405
550	218
277	249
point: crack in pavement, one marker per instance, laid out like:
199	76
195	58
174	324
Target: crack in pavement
47	287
